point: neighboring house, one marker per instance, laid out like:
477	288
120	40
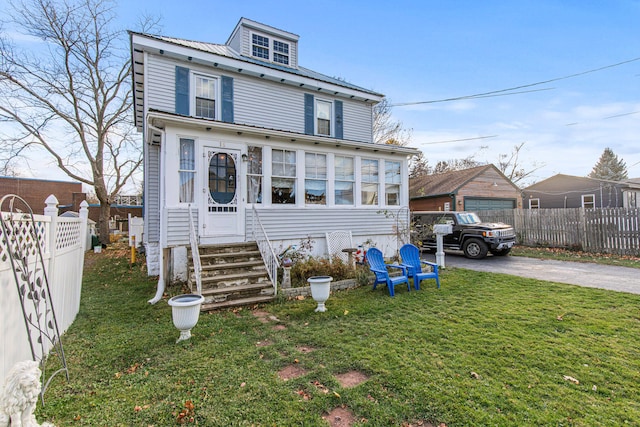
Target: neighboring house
36	191
240	128
567	191
473	189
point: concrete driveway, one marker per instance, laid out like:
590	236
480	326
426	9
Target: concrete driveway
622	279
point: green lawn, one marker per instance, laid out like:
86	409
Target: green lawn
484	350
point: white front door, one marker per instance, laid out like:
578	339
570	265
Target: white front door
222	216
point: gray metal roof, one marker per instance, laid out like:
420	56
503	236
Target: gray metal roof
227	51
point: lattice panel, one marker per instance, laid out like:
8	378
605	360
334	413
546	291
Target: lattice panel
67	234
19	233
337	241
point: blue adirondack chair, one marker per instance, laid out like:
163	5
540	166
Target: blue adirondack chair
410	255
377	266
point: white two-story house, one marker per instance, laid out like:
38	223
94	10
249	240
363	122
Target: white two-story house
239	130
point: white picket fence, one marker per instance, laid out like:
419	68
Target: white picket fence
63	242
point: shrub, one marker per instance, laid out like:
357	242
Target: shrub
319	266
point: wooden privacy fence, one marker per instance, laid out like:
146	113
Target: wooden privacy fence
63	241
599	230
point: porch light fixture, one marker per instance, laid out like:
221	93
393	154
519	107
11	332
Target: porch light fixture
245	158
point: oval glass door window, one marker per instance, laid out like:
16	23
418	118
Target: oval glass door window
222	178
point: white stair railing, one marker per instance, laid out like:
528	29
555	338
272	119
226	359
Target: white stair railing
266	249
195	252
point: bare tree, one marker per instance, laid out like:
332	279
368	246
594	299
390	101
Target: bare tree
69	95
511	165
386	130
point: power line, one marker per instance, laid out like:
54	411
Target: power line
502	91
460	140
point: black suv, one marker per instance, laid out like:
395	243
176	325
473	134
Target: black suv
474	237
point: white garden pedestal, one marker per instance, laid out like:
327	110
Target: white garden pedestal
185	310
320	290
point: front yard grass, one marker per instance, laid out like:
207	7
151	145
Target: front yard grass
485	349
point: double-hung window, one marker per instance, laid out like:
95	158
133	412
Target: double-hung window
588	201
344	180
534	203
392	180
369	178
281	52
187	170
315	183
205	96
283	177
254	174
323	117
260	46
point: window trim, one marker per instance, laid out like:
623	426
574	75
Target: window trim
187	172
315	177
537	205
376	202
271	48
293	177
217	95
352	181
395	184
593	197
316	118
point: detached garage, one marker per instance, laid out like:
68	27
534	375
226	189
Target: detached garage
475	189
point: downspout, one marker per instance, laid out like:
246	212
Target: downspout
161	278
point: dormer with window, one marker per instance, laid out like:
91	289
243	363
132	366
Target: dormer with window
265	43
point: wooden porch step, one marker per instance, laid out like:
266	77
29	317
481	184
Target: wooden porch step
231	265
236	303
210	280
213	292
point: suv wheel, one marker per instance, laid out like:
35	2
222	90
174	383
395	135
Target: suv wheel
475	249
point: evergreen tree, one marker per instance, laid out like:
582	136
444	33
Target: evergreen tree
609	167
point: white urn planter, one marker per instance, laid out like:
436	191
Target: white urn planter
185	310
320	290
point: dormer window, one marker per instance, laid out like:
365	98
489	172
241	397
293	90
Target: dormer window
260	48
280	52
263	47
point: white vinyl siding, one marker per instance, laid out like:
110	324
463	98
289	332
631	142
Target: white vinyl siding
256	102
297	222
152	194
161	83
268	104
178	226
357	121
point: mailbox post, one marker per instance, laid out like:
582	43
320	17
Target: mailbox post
440	231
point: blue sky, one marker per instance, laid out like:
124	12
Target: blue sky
417	51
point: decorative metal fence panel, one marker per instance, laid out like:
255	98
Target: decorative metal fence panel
599	230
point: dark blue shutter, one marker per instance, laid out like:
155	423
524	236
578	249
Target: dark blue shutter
308	114
182	90
337	108
227	99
